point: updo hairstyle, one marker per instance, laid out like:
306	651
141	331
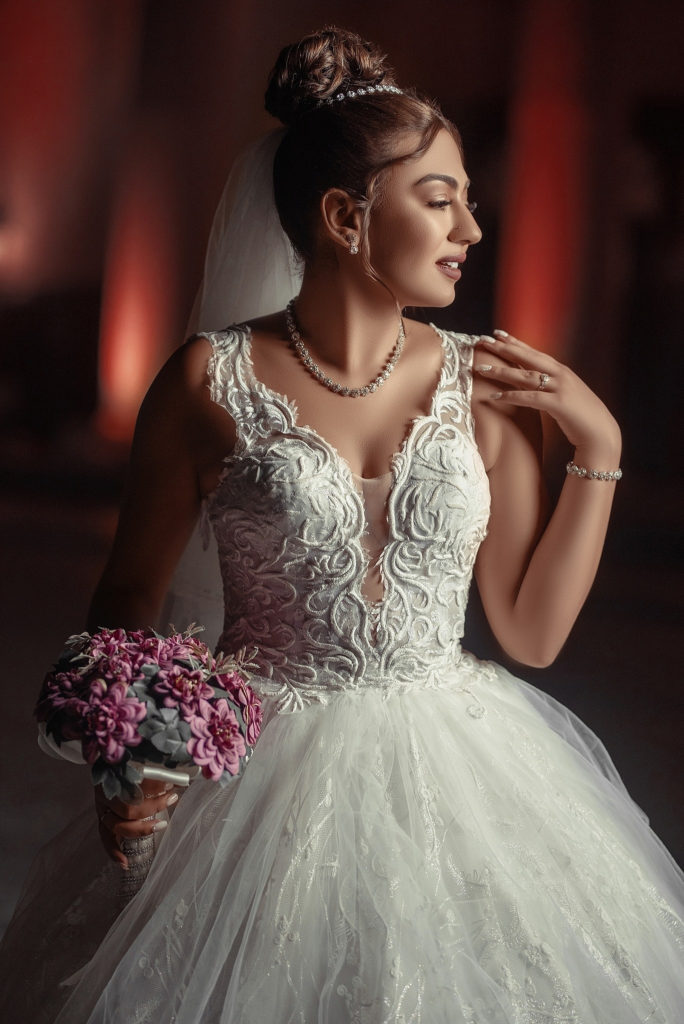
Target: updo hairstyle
348	144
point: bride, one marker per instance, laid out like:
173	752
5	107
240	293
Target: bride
419	836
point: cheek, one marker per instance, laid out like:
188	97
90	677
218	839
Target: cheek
400	239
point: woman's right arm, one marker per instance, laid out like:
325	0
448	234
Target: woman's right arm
162	497
180	439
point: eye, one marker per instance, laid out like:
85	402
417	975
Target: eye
439	204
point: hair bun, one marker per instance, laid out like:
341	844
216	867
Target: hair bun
320	65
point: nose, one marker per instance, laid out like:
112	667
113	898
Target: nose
465	229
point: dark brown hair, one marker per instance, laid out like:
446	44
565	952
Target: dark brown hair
348	144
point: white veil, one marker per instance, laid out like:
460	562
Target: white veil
250	270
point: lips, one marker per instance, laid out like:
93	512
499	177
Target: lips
450	266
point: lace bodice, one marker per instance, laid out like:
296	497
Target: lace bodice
296	539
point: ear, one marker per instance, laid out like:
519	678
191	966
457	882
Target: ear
340	217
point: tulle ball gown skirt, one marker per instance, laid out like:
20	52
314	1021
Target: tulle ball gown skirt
432	857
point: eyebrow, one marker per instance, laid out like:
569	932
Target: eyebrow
446	178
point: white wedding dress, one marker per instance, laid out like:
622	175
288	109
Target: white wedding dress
419	837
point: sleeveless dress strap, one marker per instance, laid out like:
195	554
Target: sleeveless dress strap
456	383
225	370
258	411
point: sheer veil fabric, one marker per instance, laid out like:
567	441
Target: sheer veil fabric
250	270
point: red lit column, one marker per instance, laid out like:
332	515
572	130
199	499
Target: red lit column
545	201
140	283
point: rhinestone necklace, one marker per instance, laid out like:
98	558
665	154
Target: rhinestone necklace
333	385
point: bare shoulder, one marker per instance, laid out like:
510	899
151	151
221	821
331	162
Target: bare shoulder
424	335
179	411
182	381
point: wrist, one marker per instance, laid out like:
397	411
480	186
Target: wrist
588	473
599	454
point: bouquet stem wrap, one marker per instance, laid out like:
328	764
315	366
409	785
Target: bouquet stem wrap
140	851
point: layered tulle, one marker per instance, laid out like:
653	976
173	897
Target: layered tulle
426	857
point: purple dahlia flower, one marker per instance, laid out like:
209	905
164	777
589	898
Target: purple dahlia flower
182	686
217	743
110	722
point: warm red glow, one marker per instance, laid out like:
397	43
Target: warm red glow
64	74
45	65
141	279
541	249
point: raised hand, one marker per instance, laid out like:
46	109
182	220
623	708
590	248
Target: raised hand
532	378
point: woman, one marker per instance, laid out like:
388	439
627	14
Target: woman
418	836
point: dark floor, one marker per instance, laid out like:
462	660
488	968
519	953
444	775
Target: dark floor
620	671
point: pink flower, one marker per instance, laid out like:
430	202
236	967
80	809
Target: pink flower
182	686
107	642
62	700
58	690
245	696
117	668
217	743
163	650
253	717
110	722
232	682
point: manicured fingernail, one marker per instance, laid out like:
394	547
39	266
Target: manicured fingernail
486	338
501	334
159	826
496	394
168	786
173	799
484	367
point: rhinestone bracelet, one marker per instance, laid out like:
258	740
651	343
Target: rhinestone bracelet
593	474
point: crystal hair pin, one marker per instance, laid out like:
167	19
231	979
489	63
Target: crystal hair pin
364	90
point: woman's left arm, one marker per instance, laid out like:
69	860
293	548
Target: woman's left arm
534	574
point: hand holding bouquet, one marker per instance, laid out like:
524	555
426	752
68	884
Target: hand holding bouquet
136	704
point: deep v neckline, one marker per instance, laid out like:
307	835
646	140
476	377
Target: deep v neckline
264	391
375	608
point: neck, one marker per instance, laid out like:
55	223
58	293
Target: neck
351	326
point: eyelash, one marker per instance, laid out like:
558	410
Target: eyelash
439	204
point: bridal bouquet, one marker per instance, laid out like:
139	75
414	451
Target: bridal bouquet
136	704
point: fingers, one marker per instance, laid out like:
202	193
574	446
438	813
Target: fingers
530	377
523	376
516	377
111	845
155	798
119	820
531	399
513	350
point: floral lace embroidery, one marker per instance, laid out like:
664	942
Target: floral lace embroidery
289	524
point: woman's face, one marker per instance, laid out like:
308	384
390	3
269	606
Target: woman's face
421	229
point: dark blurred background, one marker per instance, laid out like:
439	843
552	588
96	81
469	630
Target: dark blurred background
118	124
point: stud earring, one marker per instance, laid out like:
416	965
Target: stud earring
353	245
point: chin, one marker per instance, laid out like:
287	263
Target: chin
429	301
